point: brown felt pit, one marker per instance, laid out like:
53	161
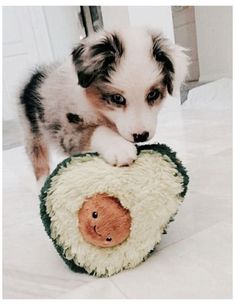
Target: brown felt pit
103	221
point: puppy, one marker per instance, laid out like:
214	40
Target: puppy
104	97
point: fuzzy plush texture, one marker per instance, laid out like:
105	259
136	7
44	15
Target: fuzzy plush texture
151	189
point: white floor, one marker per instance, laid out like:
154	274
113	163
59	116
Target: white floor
194	260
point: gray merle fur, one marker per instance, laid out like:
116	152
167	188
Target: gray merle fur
167	65
31	100
108	51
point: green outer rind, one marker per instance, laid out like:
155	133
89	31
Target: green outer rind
160	148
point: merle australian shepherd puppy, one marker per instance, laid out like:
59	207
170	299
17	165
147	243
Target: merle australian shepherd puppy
104	97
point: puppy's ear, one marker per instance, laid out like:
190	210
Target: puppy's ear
173	61
96	57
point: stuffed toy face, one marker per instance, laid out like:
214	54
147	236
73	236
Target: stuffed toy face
103	221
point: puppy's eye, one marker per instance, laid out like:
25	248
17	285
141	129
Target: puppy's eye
153	95
117	99
109	239
94	214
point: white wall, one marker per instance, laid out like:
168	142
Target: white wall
64	29
214	38
32	36
159	17
185	35
115	16
25	44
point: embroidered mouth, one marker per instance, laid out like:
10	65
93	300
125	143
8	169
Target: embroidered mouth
96	231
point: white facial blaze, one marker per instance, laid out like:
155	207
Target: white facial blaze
136	73
137	117
136	120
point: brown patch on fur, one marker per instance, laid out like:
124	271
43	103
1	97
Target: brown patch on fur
105	87
85	140
94	95
162	89
39	158
102	120
88	130
158	85
103	221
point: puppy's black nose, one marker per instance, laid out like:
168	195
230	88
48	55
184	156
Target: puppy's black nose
141	137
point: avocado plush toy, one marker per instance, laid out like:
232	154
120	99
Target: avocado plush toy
103	219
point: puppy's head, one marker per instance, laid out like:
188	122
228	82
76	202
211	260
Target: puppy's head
127	74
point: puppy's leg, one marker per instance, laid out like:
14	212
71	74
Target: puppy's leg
38	153
112	147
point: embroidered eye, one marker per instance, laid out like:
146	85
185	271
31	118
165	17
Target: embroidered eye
109	239
153	95
94	214
118	99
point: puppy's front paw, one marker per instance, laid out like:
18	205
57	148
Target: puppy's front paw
112	147
120	154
